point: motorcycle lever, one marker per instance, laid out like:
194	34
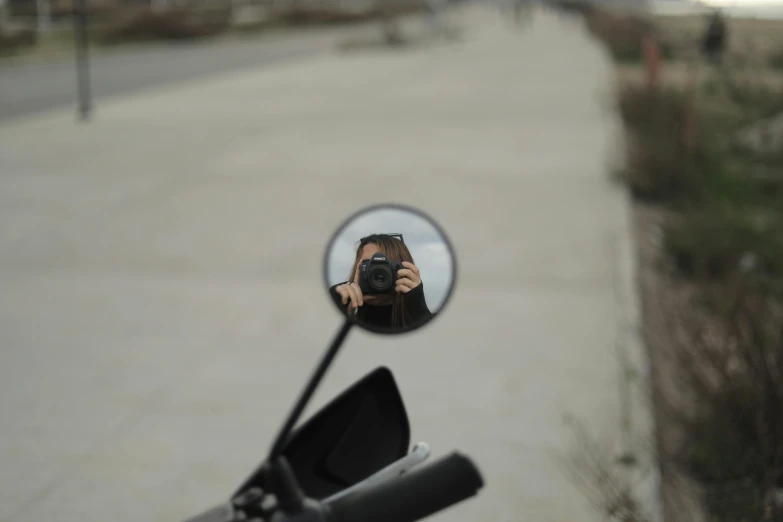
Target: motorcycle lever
224	512
253	504
418	454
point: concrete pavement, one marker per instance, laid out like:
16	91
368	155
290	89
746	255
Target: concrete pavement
162	298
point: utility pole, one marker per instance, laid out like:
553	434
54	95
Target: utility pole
82	59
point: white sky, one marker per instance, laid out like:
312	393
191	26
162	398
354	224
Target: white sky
429	250
742	3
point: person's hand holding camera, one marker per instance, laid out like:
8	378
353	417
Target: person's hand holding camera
376	281
408	278
351	294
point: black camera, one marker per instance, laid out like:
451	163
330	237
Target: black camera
378	275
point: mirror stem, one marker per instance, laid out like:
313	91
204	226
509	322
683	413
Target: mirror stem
281	481
307	393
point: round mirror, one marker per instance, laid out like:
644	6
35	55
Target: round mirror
390	268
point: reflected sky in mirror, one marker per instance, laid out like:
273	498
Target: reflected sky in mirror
430	252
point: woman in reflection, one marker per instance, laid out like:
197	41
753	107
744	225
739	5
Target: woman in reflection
404	307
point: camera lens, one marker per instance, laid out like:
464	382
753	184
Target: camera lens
380	278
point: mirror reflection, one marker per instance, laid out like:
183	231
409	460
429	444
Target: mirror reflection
391	268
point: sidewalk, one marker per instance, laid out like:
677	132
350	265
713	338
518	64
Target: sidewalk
161	270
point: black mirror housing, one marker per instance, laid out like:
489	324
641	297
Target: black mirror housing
361	431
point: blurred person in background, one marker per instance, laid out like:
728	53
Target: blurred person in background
715	37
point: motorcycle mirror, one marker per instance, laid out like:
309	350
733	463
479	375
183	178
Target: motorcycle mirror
389	269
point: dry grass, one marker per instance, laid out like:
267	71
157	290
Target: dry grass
603	476
621	33
717	358
325	15
138	25
142	24
576	7
751	43
675	74
755	50
776	59
733	365
18	41
663	298
659	144
717	353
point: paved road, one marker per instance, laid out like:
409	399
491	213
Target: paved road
29	88
160	269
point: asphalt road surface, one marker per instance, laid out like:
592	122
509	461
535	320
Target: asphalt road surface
31	88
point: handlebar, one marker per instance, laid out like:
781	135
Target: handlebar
412	496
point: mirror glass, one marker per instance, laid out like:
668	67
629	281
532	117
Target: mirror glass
361	431
390	268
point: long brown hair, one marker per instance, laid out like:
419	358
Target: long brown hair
396	251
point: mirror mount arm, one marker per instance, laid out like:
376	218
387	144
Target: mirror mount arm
323	365
279	478
281	481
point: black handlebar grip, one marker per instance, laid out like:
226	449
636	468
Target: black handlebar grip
412	496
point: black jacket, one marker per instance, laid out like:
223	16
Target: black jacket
416	309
